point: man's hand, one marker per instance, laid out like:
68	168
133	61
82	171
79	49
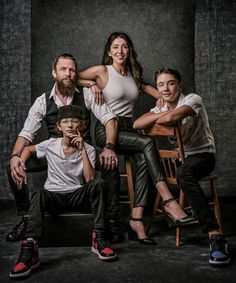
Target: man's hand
18	168
99	99
21	181
108	159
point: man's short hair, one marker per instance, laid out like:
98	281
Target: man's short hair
64	56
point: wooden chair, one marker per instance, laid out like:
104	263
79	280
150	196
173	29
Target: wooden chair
127	173
171	159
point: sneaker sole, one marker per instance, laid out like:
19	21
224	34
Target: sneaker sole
111	258
24	274
212	262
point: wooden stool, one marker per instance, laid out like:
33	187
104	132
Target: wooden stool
129	198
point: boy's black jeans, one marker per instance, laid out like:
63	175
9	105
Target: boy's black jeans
89	198
22	202
195	167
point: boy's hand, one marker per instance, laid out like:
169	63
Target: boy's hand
77	140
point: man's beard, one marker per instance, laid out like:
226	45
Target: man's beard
66	89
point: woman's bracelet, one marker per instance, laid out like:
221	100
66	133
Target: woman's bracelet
14	154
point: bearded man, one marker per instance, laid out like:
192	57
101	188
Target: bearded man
45	108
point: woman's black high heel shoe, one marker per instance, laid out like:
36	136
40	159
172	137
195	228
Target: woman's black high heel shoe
171	221
134	237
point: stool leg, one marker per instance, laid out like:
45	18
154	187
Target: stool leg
130	182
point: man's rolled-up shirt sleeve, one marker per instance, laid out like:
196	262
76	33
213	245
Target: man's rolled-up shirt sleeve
34	119
102	112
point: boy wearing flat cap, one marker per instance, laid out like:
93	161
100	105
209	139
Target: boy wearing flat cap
71	184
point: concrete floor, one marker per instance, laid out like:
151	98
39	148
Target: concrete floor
162	263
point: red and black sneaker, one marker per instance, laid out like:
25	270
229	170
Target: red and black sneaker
28	259
102	248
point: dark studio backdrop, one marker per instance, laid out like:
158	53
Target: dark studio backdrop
195	37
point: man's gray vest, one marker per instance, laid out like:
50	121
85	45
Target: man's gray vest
51	114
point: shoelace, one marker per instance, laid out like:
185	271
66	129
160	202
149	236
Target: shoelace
218	244
21	224
16	227
26	251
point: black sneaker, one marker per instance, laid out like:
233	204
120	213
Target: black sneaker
116	232
18	231
102	248
27	261
218	250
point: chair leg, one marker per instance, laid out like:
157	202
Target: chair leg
178	236
216	205
156	205
178	229
130	182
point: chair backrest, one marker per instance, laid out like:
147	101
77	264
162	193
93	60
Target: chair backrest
170	158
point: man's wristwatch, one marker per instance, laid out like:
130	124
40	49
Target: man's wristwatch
109	146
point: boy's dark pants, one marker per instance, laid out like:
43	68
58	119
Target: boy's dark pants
195	167
22	202
87	198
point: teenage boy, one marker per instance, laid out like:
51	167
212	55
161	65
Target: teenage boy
199	149
71	184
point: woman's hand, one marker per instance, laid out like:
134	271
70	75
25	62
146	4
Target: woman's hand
98	95
160	102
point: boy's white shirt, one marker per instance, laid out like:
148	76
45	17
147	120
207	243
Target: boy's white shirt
65	173
196	133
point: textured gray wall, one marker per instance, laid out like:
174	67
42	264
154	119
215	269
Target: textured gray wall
215	65
15	79
163	35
